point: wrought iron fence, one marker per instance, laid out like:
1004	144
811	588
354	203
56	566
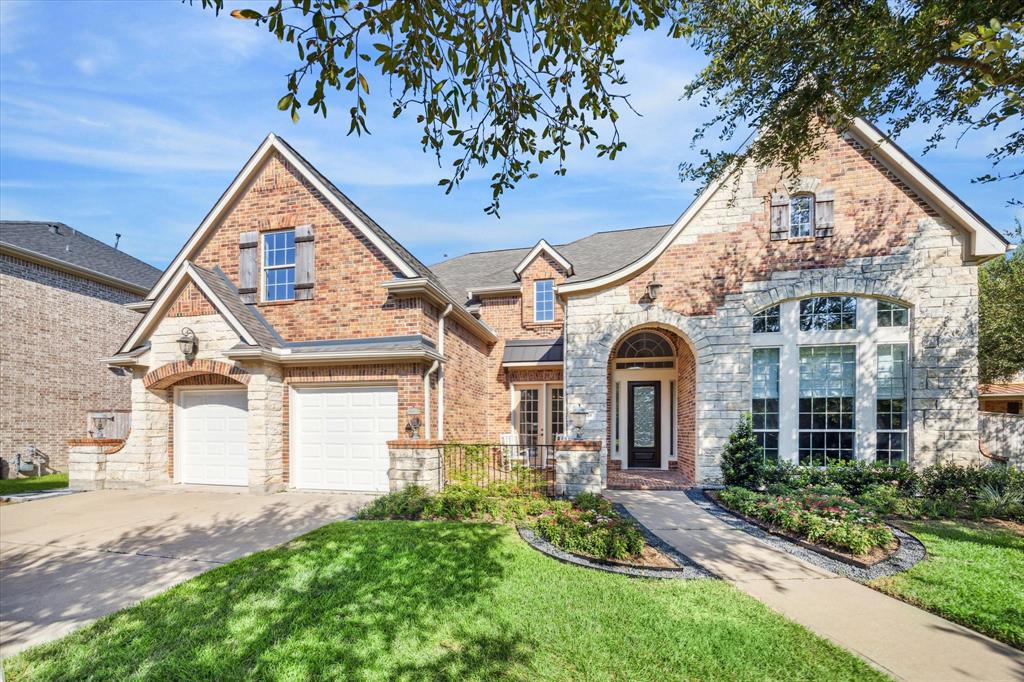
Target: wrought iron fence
525	467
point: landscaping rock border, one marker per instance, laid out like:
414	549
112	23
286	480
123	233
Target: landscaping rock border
910	551
686	571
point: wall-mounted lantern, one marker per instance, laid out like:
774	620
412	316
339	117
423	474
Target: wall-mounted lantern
579	419
653	287
188	343
413	426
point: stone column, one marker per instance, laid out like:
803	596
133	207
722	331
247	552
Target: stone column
87	461
578	467
415	462
143	459
266	428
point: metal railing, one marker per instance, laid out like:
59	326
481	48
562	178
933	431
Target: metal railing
525	467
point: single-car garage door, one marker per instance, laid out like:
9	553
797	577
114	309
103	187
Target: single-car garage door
212	437
340	435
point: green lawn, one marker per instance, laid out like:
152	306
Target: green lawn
387	600
974	575
24	485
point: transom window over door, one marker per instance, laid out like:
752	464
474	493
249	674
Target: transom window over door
544	300
828	383
279	266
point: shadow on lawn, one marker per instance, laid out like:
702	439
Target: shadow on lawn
348	601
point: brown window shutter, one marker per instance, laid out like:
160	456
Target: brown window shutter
780	216
305	262
248	267
824	219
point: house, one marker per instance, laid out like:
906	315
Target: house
62	304
1007	397
292	337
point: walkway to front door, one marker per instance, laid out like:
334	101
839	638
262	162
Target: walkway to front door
901	640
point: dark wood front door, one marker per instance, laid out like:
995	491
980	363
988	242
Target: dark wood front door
644	423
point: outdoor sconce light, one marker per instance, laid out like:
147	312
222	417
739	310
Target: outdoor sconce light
99	424
188	343
414	422
653	288
579	418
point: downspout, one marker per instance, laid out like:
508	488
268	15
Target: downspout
440	373
426	398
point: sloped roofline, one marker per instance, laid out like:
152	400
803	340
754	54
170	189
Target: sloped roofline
272	144
984	243
167	296
542	247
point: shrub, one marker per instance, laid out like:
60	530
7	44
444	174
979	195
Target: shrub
887	500
742	458
407	504
584	531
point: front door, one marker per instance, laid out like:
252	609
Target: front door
644	424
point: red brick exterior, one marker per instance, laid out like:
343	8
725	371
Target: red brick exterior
174	372
191	302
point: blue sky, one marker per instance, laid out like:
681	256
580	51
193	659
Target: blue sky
133	117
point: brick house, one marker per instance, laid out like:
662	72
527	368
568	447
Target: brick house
62	306
838	307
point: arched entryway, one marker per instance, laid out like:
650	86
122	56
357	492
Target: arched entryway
652	403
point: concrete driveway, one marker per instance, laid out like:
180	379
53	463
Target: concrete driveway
66	561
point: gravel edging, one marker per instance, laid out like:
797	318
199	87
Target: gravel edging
686	571
910	552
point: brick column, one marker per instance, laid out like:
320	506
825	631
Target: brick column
577	467
415	462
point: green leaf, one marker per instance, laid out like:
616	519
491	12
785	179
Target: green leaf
285	101
246	14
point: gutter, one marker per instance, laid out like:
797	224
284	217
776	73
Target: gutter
421	286
286	357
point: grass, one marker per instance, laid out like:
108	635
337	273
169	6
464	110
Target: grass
384	600
973	576
24	485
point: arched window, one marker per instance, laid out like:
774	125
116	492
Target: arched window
645	349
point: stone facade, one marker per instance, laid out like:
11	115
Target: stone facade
578	467
415	462
56	327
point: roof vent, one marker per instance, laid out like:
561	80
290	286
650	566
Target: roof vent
54	229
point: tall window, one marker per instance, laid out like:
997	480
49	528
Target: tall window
544	300
828	313
801	215
279	266
828	382
557	413
764	406
891	314
767	320
891	407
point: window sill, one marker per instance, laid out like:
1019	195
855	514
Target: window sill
801	240
276	303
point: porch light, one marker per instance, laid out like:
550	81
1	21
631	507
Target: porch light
579	418
653	287
413	427
188	343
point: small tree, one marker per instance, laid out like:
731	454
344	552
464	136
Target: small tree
742	458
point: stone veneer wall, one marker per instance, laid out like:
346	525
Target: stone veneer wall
927	274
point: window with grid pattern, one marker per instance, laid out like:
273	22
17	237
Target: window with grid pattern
544	300
279	266
891	314
828	382
767	321
891	405
801	215
764	407
828	313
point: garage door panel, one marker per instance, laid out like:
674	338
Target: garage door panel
213	427
340	437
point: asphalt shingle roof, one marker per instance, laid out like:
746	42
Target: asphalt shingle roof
591	256
56	241
246	314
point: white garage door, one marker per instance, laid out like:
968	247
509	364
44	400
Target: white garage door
212	437
340	435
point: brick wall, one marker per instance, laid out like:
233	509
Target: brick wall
56	327
466	384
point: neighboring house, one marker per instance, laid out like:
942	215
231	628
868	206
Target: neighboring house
839	307
1006	398
62	306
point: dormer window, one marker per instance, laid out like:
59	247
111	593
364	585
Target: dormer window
801	215
544	300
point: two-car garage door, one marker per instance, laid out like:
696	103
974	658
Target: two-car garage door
339	437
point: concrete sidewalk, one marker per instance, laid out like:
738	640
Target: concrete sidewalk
901	640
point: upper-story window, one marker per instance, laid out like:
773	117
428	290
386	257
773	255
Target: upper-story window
544	300
891	314
279	266
828	313
801	215
767	320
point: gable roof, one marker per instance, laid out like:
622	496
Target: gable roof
591	256
403	261
64	248
1012	390
542	247
984	243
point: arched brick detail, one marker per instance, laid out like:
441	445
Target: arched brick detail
885	285
173	372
